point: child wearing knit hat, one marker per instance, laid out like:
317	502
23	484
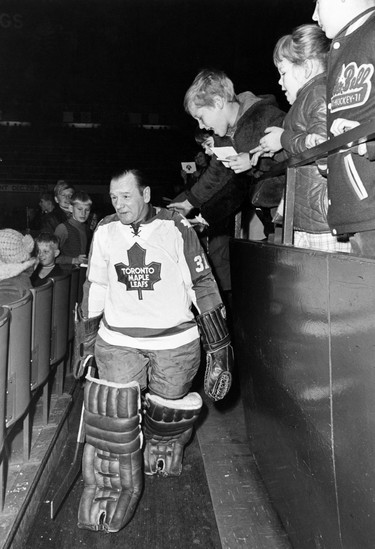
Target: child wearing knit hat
16	263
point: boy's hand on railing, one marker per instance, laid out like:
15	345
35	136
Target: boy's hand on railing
342	125
362	149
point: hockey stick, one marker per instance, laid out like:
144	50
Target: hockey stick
75	468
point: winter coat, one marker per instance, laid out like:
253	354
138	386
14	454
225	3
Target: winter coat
255	115
308	115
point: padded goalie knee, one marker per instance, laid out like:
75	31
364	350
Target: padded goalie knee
112	458
168	426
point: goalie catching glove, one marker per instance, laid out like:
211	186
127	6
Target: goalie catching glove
219	360
85	330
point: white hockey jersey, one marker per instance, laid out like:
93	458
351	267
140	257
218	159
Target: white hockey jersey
145	279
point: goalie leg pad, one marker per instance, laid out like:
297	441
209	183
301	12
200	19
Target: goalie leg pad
168	426
112	458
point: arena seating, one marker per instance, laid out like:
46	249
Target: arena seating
18	395
4	340
34	358
41	341
60	325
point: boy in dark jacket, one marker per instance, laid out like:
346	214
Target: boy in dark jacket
236	120
351	101
47	248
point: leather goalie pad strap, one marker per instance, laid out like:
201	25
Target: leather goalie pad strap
213	328
168	425
112	457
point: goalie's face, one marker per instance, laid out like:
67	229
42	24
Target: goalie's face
129	201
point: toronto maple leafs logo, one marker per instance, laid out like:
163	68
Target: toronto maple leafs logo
137	275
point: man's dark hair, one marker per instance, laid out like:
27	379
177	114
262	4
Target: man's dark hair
140	177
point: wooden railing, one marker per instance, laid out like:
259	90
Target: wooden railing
360	134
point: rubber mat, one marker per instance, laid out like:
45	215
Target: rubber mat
173	513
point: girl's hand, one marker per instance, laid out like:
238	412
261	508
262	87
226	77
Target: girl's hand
313	139
271	141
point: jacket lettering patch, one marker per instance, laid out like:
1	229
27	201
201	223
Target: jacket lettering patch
353	87
137	275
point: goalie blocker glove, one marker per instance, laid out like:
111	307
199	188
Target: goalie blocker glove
85	331
217	344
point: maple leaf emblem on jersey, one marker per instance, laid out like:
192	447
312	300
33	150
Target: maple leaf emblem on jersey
137	276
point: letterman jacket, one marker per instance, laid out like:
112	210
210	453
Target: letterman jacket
351	95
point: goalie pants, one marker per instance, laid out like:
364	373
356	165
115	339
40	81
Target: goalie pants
168	372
